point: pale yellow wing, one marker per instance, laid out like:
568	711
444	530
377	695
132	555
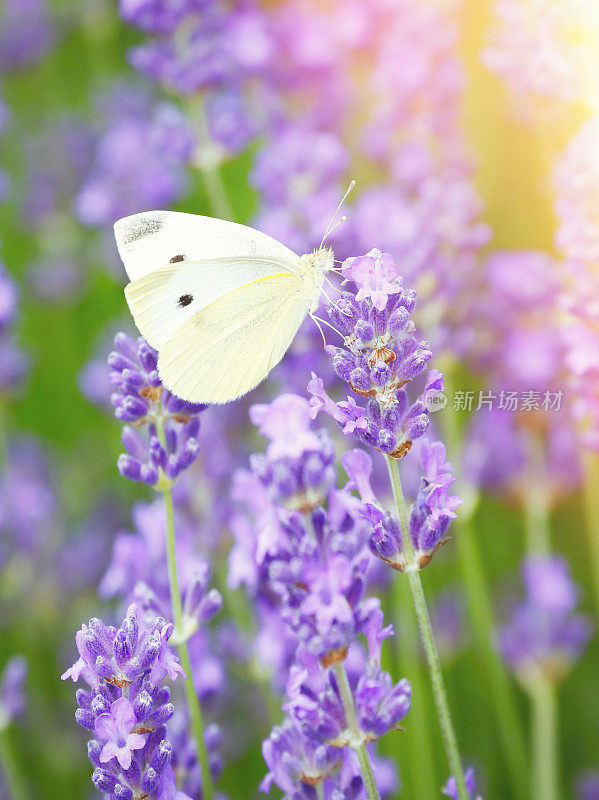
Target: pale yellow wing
166	298
231	344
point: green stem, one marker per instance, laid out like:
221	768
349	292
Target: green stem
9	771
480	609
484	625
207	161
536	503
193	701
432	657
591	498
356	738
418	771
544	774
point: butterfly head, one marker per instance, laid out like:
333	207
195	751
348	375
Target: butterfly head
318	262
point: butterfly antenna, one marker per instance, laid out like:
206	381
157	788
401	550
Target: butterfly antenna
318	325
333	303
328	324
343	199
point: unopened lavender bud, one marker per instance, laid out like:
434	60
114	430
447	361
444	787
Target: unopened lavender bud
85	718
122	792
161	757
142	705
103	780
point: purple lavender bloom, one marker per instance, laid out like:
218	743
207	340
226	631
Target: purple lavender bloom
451	788
380	357
200	48
140	399
26	33
27	499
156	16
296	765
544	636
115	728
587	785
229	121
12	697
430	514
139	162
298	176
137	651
13	362
298	466
447	620
127	706
137	573
314	700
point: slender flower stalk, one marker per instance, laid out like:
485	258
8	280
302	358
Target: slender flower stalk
9	771
12	704
542	691
357	739
536	505
207	161
447	729
180	639
418	769
591	499
483	619
484	624
545	747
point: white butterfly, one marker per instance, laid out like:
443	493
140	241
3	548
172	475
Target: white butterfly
221	302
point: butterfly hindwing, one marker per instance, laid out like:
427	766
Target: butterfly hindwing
230	345
167	297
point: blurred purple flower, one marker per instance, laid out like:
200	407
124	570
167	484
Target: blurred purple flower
451	789
12	696
139	162
543	635
587	785
26	33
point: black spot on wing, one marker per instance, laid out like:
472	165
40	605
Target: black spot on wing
176	259
185	300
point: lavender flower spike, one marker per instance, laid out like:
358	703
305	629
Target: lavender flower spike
126	706
169	444
380	357
451	790
12	700
544	636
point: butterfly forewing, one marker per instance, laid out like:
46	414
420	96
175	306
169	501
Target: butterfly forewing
231	344
153	239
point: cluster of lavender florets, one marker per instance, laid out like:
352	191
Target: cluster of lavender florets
127	705
304	555
171	425
380	356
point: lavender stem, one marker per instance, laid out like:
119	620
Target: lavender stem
544	773
418	771
193	701
591	497
9	771
356	739
215	187
426	632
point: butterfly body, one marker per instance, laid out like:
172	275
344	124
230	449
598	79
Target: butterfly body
220	302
